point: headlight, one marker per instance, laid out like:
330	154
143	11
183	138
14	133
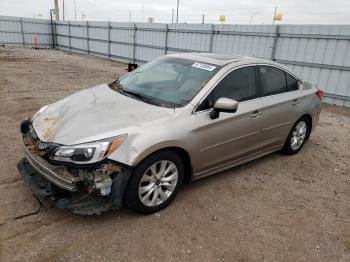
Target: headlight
39	112
87	153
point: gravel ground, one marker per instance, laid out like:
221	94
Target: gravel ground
278	208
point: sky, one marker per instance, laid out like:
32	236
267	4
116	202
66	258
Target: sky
190	11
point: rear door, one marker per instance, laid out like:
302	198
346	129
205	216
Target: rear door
279	92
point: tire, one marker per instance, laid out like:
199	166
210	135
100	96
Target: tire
296	140
150	189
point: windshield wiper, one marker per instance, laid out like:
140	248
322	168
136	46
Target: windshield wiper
116	86
142	97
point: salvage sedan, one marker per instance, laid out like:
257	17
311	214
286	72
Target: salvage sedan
179	118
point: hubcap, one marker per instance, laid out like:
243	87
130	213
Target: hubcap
158	183
298	135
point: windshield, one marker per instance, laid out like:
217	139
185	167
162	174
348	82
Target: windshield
167	81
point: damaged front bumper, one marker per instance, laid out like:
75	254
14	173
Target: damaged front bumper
82	190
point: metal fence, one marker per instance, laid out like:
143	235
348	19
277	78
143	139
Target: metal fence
318	53
19	32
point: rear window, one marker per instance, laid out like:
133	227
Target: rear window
292	83
275	81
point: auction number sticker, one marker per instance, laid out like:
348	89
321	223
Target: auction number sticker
204	66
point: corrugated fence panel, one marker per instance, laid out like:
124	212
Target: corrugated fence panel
191	37
122	38
41	27
98	36
16	31
78	34
62	35
150	41
319	54
256	40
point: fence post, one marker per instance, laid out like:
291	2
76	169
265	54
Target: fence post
134	44
22	31
87	37
69	40
211	39
109	40
166	39
53	33
274	44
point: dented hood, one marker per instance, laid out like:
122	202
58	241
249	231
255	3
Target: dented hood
96	113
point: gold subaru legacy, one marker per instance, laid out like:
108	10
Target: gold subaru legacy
179	118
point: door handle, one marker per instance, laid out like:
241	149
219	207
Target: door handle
255	114
295	102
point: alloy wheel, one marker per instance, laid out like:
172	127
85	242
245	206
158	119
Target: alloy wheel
298	135
158	183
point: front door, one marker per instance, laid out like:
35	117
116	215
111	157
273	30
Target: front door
232	135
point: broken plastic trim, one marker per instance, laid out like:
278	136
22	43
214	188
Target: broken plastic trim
84	202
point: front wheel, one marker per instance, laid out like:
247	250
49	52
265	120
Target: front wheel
297	136
155	182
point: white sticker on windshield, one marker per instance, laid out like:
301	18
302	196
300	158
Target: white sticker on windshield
204	66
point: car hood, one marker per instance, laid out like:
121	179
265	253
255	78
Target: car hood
95	113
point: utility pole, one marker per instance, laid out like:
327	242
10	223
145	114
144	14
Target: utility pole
274	15
57	11
251	17
52	30
177	12
130	16
75	10
202	18
172	16
63	8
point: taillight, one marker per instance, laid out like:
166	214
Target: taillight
320	94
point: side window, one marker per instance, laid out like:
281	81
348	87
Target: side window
239	85
207	103
272	80
292	83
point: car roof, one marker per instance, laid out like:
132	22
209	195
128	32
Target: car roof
224	59
219	59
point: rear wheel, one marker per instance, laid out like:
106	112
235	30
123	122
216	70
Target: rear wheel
297	136
155	182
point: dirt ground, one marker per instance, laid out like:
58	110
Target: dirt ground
278	208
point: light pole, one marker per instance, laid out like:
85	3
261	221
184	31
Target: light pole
274	15
251	17
172	16
57	11
52	32
75	10
177	11
63	8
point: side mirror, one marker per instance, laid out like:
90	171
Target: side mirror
223	105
